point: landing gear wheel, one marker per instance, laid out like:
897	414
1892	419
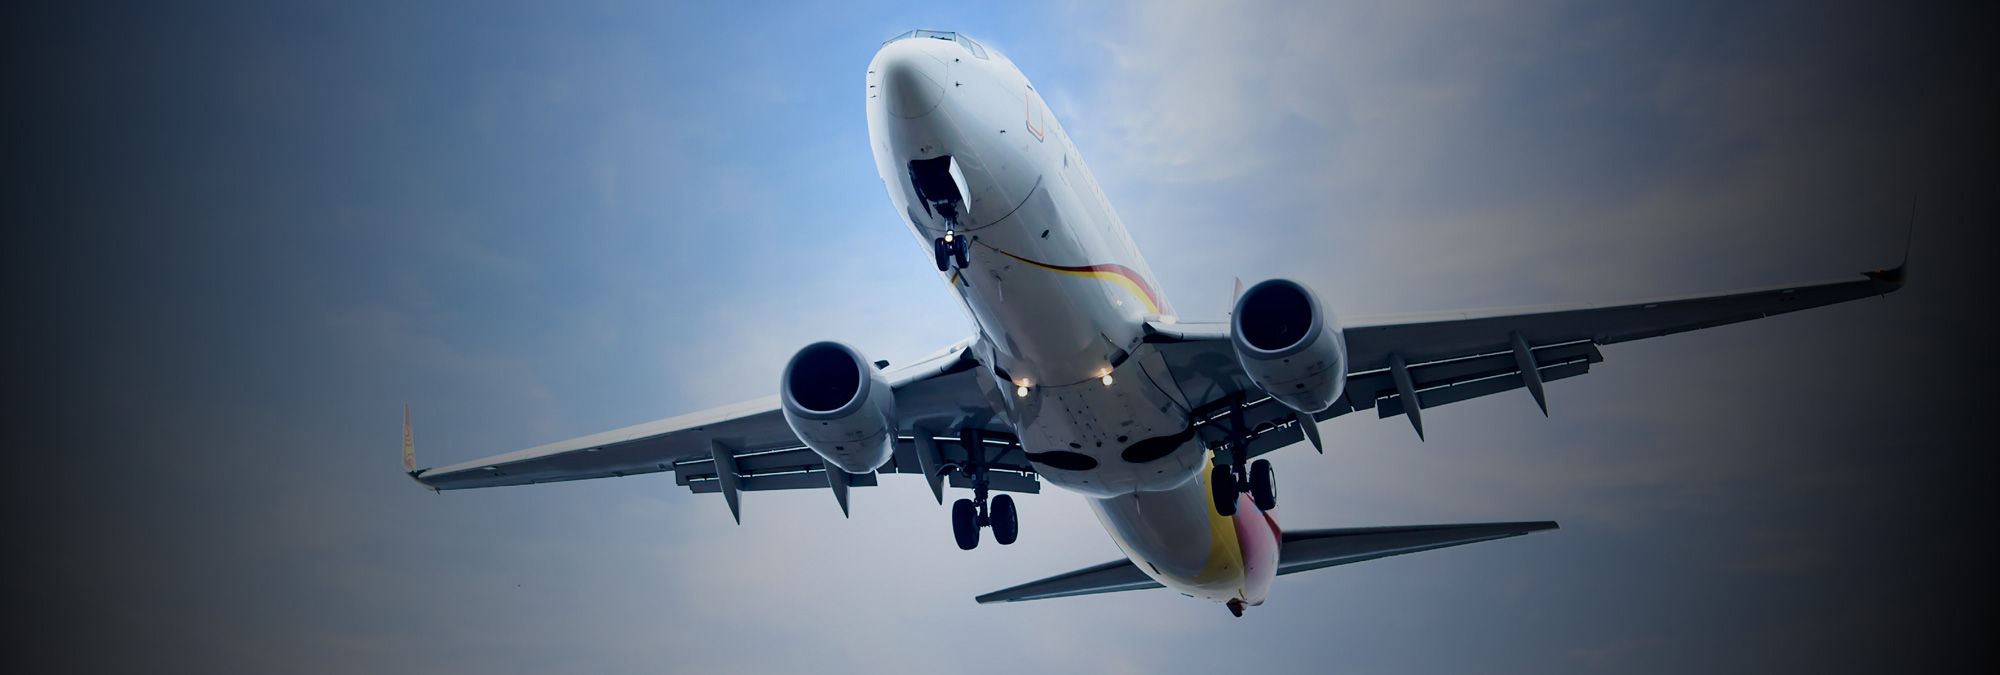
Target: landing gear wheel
1006	526
1222	483
965	524
1263	485
942	253
958	251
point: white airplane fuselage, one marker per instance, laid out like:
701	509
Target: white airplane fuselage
1060	297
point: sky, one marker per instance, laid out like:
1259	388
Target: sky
243	235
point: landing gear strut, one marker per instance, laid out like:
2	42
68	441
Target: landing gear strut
948	249
1240	475
969	515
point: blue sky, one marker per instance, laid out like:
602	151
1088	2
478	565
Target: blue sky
252	233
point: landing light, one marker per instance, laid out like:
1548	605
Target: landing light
1021	391
1107	380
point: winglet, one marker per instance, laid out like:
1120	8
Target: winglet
410	451
409	443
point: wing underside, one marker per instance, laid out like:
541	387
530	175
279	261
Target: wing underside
1455	356
936	398
1399	365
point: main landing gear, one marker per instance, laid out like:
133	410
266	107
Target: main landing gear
969	515
1230	480
1240	475
948	249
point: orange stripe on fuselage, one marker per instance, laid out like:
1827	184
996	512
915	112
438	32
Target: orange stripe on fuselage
1124	277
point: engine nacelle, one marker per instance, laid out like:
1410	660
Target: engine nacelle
1289	346
840	405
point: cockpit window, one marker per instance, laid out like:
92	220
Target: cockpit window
948	36
972	46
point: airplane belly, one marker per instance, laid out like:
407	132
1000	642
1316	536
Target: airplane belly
1042	322
1104	440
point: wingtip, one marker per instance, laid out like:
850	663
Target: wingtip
1892	278
1895	277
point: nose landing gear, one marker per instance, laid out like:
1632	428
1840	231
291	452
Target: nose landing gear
948	249
969	515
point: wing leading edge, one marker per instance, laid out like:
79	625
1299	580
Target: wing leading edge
1303	550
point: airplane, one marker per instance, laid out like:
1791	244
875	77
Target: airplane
1081	374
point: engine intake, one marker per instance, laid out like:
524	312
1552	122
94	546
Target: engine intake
840	406
1289	346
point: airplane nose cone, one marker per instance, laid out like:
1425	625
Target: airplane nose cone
912	81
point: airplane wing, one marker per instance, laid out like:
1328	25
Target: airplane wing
1301	551
1446	357
939	395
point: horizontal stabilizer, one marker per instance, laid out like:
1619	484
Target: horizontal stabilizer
1117	575
1313	549
1303	550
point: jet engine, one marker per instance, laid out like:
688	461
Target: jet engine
1289	346
840	406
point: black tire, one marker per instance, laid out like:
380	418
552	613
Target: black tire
1006	523
959	245
965	524
1263	485
1223	486
938	251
